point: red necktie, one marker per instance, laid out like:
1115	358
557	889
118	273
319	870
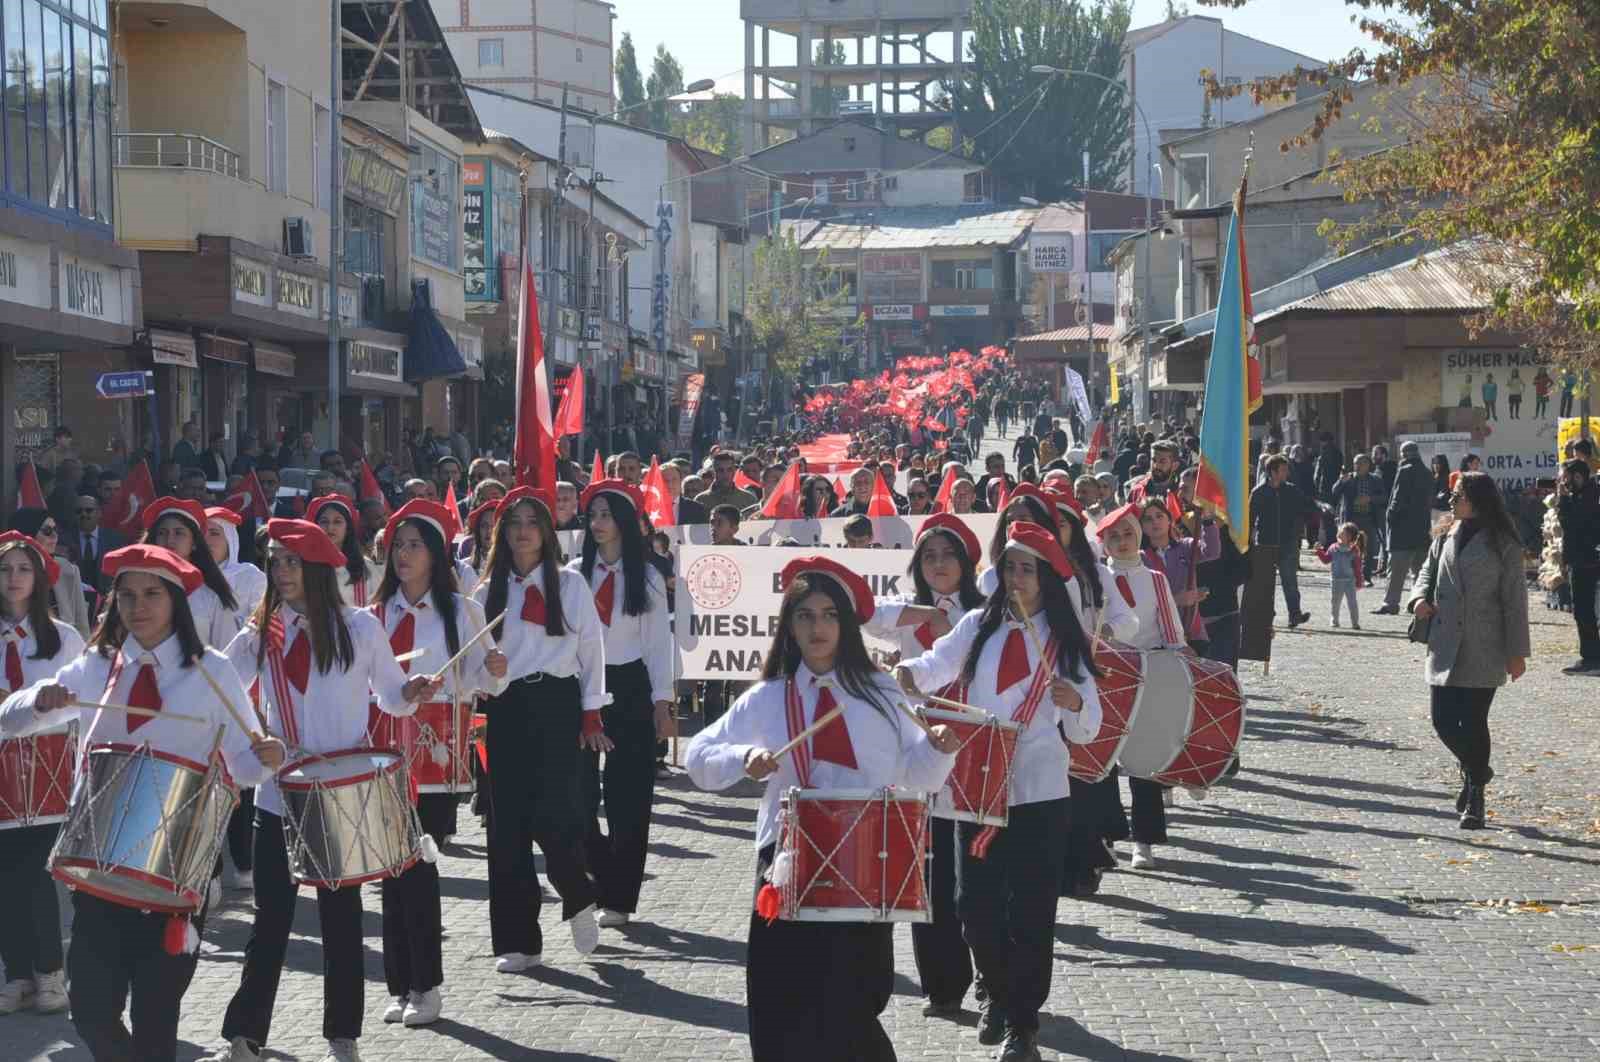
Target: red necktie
533	605
924	635
832	742
14	659
1125	589
605	597
404	638
297	665
145	694
1013	662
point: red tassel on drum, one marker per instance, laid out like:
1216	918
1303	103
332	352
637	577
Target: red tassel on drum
767	903
178	937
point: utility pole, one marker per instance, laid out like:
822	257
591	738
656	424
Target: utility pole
336	216
553	268
1088	278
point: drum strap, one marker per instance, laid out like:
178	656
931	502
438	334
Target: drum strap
795	715
1043	676
1165	609
275	635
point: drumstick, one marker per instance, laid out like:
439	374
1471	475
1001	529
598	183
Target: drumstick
1033	635
148	713
927	728
964	709
487	627
226	703
406	658
808	731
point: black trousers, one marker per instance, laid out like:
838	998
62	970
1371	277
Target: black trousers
1097	817
1149	816
1584	582
627	786
534	769
339	912
241	831
413	916
1222	642
30	915
944	962
1461	719
117	952
814	990
1007	902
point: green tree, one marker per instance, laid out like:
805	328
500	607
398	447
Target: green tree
666	80
822	55
712	126
630	84
1032	130
1507	157
792	308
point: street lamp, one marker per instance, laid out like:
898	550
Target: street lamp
1149	223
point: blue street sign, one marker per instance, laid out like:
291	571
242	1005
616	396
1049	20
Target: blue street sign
122	385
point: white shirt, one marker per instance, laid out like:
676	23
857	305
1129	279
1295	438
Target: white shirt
1120	621
468	676
647	636
331	714
347	588
34	670
183	689
889	749
1150	592
249	585
1039	769
581	651
215	623
466	576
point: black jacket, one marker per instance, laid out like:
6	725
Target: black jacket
1580	526
1410	512
1277	513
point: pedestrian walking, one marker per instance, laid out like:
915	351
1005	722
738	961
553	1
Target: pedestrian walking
1345	567
1578	508
1409	517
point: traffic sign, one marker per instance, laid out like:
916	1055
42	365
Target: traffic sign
122	384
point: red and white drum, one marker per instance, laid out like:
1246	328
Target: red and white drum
1121	683
1190	720
979	788
36	778
436	743
852	855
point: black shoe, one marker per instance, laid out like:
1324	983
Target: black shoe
1461	797
1582	667
1295	621
950	1011
1019	1047
1472	817
1386	610
991	1026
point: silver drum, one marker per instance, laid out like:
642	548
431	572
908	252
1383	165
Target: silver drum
347	818
144	828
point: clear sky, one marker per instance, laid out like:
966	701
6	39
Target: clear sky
707	36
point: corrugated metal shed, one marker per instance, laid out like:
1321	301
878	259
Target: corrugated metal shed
917	228
1072	334
1446	281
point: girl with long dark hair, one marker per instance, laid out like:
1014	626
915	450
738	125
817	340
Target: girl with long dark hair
358	578
1038	672
36	646
315	659
66	594
480	530
814	990
1100	613
548	714
419	608
180	526
1166	550
630	597
146	653
1027	502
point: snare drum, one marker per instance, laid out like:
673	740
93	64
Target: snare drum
36	778
1190	720
441	760
979	788
144	829
852	855
347	818
1120	685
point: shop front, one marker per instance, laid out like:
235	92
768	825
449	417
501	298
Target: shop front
375	396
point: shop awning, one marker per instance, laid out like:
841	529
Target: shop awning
430	352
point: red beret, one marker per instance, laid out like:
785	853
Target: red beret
1028	490
1110	520
490	509
307	541
540	497
339	500
429	512
854	586
223	513
1064	500
52	570
152	560
1031	538
621	487
193	510
953	525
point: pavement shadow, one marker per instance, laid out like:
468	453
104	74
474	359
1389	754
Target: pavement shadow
682	945
1254	928
1232	853
1069	1038
1292	716
1342	801
1257	730
487	1045
1328	781
630	991
658	818
672	851
726	812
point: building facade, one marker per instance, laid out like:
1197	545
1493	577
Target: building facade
534	50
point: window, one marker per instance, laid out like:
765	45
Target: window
277	146
970	274
1194	181
367	234
1100	246
491	51
435	206
320	156
580	54
819	191
852	191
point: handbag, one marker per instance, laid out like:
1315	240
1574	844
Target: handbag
1421	627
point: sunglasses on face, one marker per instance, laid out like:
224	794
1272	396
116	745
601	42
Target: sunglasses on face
48	529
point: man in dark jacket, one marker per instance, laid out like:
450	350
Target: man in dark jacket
1330	466
1410	522
1578	507
1277	508
1360	499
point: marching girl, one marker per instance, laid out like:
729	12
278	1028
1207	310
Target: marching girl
1010	877
942	570
1100	615
548	713
146	653
1179	559
1149	595
814	990
419	609
358	577
315	659
630	597
36	646
1027	502
180	526
480	527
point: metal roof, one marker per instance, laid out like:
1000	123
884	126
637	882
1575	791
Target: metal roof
1444	281
917	228
1071	334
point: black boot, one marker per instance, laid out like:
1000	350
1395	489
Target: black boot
1472	817
1461	797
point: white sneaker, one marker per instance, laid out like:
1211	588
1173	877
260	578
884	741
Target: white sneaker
611	919
516	962
424	1008
238	1050
342	1051
51	997
585	933
1142	859
17	995
214	893
244	880
1167	799
396	1010
1196	793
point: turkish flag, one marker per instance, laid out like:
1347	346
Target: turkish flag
534	453
657	505
941	504
1097	443
122	512
599	471
29	496
452	504
368	488
882	503
569	418
785	501
745	482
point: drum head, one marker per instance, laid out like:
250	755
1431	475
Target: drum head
339	768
